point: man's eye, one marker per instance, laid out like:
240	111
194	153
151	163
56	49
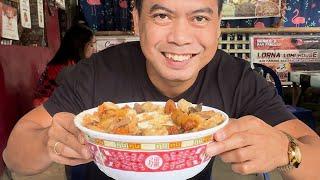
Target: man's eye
160	16
200	19
161	19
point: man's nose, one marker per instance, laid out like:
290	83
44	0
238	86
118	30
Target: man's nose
180	33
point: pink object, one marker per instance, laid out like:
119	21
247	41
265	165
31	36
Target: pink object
259	25
94	2
123	4
149	161
297	20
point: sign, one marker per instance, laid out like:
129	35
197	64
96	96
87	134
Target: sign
9	22
40	13
1	9
244	9
286	53
104	42
25	13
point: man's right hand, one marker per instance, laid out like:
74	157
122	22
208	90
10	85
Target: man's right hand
66	143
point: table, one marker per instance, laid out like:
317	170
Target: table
305	79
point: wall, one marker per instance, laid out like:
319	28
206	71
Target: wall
20	67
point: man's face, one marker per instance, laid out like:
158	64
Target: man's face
90	47
178	37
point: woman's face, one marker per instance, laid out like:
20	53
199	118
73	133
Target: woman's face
90	47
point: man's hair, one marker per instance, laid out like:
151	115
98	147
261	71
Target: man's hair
138	5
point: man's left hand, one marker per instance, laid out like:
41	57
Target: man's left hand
250	145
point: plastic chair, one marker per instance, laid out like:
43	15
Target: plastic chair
301	113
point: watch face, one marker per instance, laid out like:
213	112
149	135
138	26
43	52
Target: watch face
294	155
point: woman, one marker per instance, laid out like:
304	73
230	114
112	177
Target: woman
78	43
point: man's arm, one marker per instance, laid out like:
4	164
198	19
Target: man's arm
30	145
309	144
252	146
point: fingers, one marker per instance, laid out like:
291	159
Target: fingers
236	141
65	140
68	161
239	155
65	120
59	134
58	148
242	124
245	168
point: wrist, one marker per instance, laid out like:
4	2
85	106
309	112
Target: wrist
284	160
293	159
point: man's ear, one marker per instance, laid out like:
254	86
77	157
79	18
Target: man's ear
135	16
219	28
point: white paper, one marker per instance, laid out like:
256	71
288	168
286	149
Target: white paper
61	4
25	13
9	23
40	13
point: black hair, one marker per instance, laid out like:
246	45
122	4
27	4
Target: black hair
138	5
73	44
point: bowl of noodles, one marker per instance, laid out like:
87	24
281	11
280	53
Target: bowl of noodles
144	140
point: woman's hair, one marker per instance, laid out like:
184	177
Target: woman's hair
73	44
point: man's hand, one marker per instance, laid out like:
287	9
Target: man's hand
250	145
66	144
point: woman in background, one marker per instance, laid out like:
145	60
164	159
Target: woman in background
78	43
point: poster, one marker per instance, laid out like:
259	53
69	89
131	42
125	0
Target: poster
302	13
25	13
244	9
9	22
1	5
40	13
286	53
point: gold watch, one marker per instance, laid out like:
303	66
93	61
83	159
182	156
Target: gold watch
294	154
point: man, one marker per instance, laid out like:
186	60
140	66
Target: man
177	58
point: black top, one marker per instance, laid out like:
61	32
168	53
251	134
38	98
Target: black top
118	74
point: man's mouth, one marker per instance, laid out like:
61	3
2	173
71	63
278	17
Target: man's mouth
178	57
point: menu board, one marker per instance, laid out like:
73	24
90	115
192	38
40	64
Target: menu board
244	9
286	53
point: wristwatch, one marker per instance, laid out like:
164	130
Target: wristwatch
294	154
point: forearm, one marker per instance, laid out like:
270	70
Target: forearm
308	169
26	151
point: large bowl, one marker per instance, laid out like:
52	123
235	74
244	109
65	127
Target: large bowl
169	157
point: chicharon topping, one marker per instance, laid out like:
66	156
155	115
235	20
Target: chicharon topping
149	119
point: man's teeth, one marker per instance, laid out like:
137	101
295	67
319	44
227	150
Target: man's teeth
178	57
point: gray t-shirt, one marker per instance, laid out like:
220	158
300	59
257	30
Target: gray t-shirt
118	74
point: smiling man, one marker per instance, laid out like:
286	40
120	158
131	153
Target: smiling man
176	58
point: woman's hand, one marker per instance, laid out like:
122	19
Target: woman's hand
66	144
250	145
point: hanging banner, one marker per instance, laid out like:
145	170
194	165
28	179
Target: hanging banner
9	22
244	9
286	53
25	13
1	5
40	13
